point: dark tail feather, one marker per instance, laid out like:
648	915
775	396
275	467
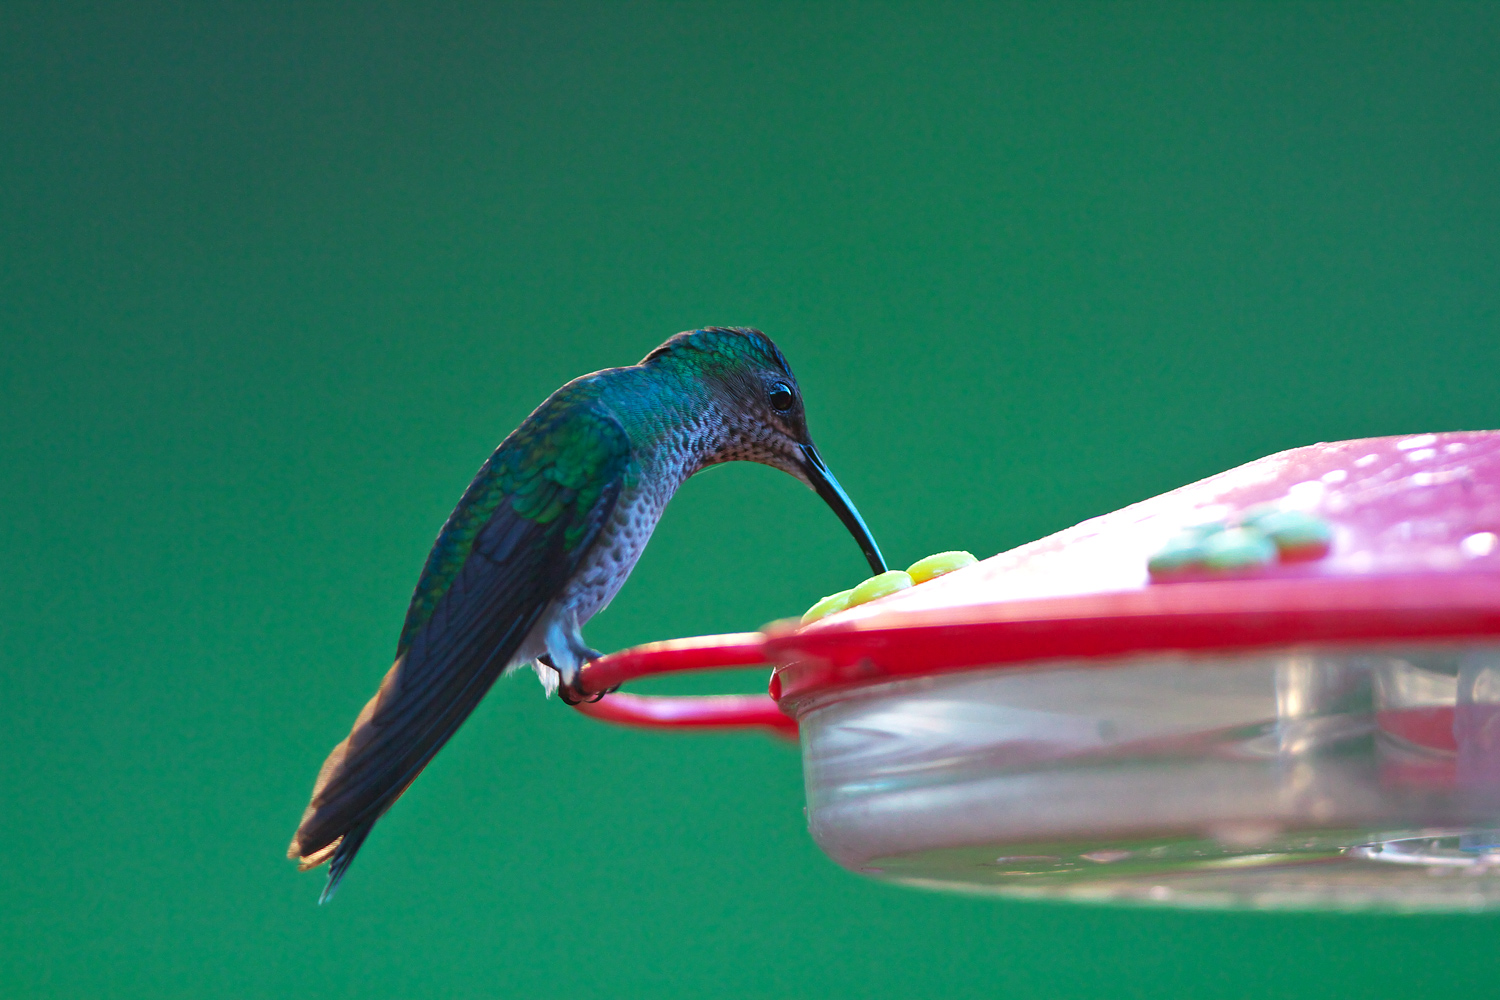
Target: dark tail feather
343	857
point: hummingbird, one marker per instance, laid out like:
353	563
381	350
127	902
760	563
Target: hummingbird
543	539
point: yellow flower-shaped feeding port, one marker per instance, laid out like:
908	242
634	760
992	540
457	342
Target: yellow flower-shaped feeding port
921	571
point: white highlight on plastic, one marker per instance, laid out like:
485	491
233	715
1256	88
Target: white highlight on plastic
1420	441
1305	495
1479	544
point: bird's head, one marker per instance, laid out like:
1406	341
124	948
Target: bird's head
756	397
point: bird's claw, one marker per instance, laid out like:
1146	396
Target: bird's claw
572	691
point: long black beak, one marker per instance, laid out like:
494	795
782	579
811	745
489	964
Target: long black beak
834	496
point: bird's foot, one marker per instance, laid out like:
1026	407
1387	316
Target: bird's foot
575	694
571	689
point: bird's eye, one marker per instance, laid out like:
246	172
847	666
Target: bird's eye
781	397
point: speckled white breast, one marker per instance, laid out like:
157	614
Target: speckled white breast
618	548
623	538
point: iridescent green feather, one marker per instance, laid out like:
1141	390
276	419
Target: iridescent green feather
720	348
551	470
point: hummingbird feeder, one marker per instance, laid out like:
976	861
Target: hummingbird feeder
1276	687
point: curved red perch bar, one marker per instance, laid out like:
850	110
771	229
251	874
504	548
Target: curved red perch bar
710	652
725	711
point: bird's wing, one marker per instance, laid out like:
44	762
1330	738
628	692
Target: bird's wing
522	528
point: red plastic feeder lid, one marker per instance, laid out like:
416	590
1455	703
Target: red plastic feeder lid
1388	539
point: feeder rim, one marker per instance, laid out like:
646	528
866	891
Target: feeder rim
1220	615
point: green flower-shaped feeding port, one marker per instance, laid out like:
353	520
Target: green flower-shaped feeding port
1261	537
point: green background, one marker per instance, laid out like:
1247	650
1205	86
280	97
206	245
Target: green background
275	279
